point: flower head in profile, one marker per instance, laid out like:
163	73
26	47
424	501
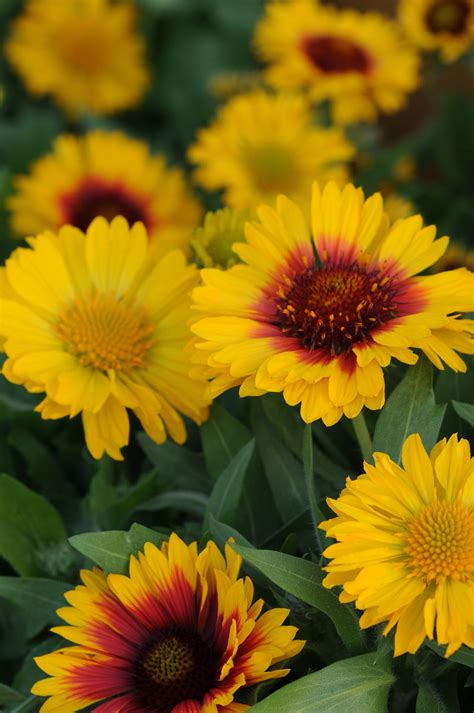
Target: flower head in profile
358	61
212	243
263	144
180	634
105	173
405	544
86	54
318	317
445	26
99	326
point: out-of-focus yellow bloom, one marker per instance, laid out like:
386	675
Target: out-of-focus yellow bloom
212	243
105	173
446	26
359	61
86	54
263	144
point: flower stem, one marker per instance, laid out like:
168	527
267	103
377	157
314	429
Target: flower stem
363	436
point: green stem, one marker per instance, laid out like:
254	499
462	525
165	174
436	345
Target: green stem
316	515
363	436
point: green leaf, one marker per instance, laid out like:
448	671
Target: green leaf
177	466
284	471
37	598
225	497
463	655
429	701
410	409
222	438
316	515
9	695
29	528
185	500
466	411
352	684
221	533
303	580
112	550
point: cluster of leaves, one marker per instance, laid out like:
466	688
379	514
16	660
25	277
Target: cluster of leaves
253	471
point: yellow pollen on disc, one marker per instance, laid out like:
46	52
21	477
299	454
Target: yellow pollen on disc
440	542
170	660
106	332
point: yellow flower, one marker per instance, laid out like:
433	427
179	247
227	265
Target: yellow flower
227	84
262	144
180	634
212	244
358	61
319	317
105	173
397	207
84	53
443	25
405	544
457	255
99	325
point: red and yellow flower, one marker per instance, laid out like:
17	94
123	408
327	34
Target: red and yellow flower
105	173
318	317
360	62
180	634
446	26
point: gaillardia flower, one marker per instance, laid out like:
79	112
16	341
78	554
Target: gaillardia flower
405	544
180	634
212	243
359	61
318	318
86	54
263	144
105	173
99	325
446	26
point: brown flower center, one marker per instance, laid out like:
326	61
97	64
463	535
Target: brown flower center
95	197
173	666
106	332
448	16
440	542
335	55
335	306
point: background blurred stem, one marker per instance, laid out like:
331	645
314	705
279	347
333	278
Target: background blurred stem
363	436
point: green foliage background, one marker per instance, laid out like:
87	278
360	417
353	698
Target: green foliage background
252	471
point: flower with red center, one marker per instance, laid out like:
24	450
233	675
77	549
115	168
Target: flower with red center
319	317
108	174
358	61
180	634
85	54
446	26
405	544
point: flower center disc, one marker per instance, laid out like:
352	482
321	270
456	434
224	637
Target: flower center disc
95	197
174	666
448	16
106	332
335	55
83	46
335	307
440	541
272	168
